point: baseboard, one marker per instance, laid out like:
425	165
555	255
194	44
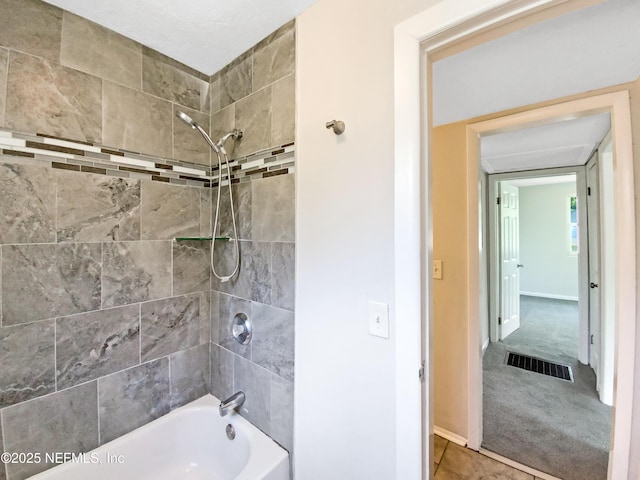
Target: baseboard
452	437
518	466
550	295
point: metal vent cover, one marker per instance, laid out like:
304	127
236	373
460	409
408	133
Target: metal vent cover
538	365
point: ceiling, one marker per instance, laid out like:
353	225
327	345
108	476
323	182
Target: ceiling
203	34
560	144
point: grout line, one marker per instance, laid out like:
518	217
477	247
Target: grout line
140	334
98	408
55	354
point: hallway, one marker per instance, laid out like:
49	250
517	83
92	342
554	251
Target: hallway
552	425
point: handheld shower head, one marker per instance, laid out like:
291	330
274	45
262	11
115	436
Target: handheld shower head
186	119
192	123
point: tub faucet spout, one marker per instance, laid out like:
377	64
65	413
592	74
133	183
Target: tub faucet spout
230	404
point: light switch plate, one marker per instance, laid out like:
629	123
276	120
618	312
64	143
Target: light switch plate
437	269
379	319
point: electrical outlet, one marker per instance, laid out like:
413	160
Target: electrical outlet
437	269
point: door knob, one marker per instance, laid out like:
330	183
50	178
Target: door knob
593	285
519	265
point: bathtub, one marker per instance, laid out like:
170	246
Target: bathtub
189	443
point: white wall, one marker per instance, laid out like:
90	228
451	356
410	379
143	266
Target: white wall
345	398
549	269
592	48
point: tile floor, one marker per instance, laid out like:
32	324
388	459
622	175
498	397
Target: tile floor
453	462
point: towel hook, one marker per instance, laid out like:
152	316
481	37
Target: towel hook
337	126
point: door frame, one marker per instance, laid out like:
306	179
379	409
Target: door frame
494	284
617	104
416	40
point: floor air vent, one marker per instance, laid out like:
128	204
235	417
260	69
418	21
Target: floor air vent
537	365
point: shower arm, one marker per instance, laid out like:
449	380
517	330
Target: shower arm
236	134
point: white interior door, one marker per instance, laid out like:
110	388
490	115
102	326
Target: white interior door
593	225
509	259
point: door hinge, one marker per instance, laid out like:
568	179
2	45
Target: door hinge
499	320
592	339
589	191
498	201
421	372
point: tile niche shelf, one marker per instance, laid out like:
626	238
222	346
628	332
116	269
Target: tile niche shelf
217	239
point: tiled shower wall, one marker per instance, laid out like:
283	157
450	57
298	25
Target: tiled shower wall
106	321
256	94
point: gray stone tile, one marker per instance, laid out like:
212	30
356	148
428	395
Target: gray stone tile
439	445
97	208
3	473
283	111
188	145
132	398
28	362
190	375
273	215
27	210
91	48
156	55
31	26
135	272
283	275
253	280
283	30
275	60
281	414
65	421
191	266
253	117
215	317
48	98
169	211
46	281
4	66
214	92
235	80
242	208
465	464
94	344
221	372
229	307
255	382
205	212
136	121
205	317
169	325
166	81
273	339
222	122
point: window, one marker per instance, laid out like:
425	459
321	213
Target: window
573	225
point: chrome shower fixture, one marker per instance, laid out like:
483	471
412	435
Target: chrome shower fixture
220	151
236	134
192	123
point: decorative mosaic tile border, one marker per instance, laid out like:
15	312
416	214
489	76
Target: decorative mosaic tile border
65	154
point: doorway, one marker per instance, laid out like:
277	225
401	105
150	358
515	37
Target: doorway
533	414
444	24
